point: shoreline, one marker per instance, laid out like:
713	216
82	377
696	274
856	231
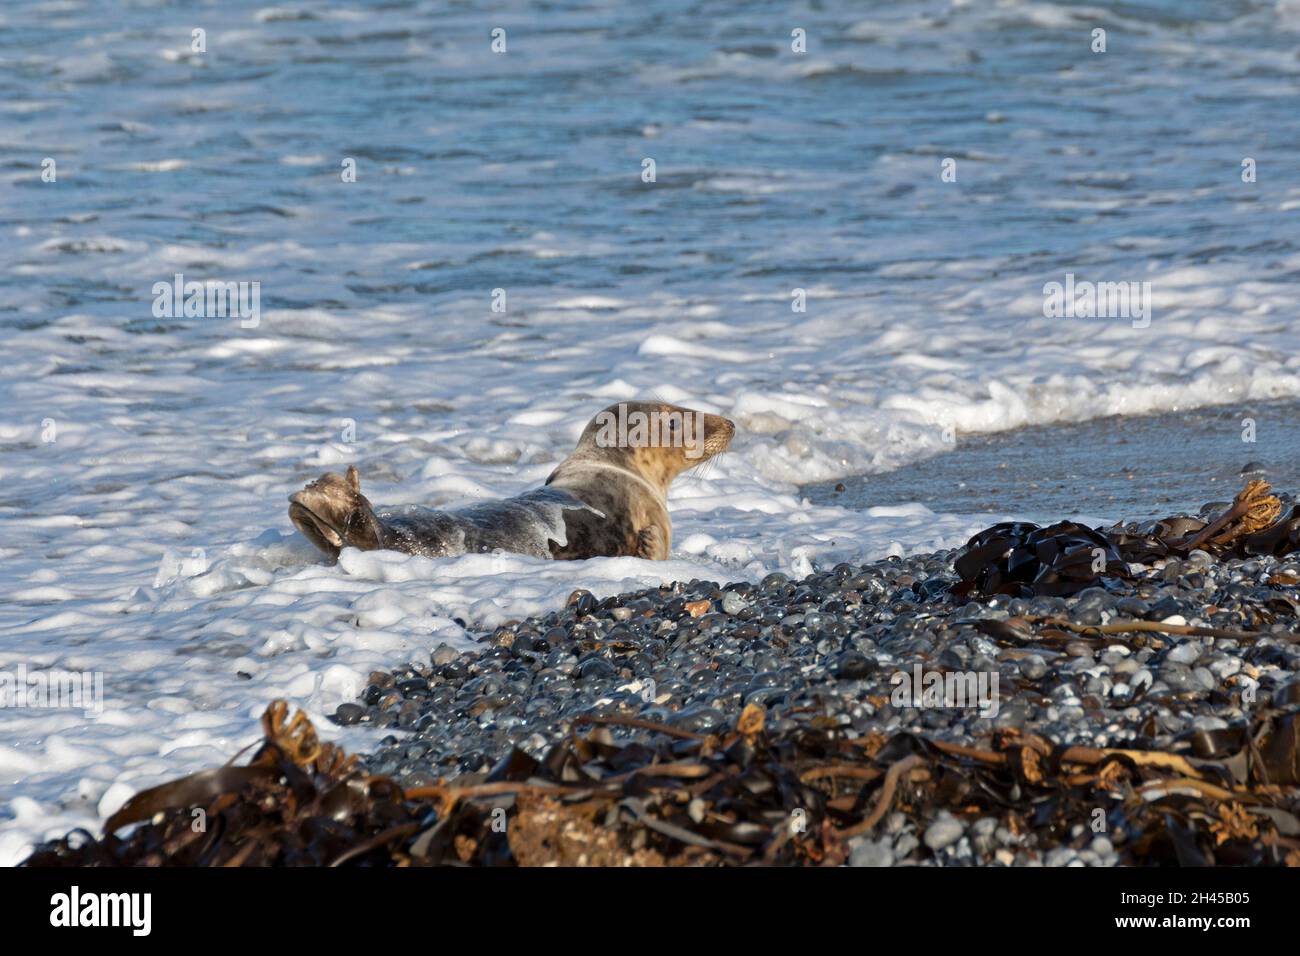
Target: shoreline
1016	717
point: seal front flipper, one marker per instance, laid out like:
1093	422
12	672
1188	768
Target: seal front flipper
651	544
333	514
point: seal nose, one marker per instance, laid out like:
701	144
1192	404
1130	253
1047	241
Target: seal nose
721	431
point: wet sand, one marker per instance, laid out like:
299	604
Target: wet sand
1109	469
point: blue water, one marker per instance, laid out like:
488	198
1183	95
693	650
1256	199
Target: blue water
774	170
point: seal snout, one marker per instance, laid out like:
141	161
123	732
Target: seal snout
718	433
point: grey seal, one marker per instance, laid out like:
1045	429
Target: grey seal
606	499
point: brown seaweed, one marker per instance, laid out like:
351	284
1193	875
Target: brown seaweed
749	796
1021	559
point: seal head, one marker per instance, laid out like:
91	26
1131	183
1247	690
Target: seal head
626	459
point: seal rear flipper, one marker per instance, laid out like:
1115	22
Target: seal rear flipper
315	531
333	514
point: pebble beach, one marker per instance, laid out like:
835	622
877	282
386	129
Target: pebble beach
834	649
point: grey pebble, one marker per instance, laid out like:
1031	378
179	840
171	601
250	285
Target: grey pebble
871	853
945	830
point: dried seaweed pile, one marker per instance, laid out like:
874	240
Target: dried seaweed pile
801	797
1024	560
